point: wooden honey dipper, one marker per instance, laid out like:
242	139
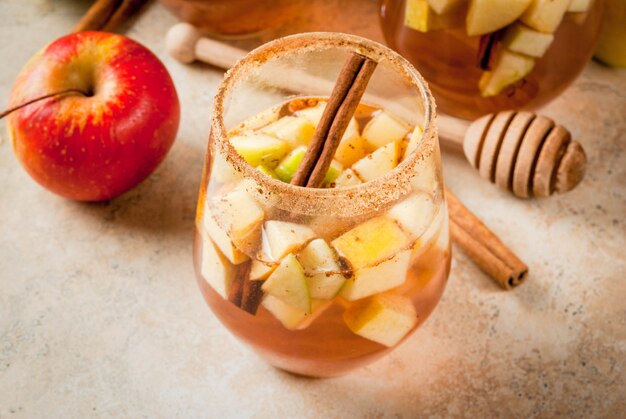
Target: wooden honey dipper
524	153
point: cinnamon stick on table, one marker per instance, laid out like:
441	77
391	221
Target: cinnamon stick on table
108	15
483	246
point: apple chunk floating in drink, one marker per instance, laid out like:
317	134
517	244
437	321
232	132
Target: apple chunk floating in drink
320	280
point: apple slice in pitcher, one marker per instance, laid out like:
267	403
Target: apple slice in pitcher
524	40
545	15
487	16
510	68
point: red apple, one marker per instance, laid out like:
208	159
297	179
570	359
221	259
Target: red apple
96	146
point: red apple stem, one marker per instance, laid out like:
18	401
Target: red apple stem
49	95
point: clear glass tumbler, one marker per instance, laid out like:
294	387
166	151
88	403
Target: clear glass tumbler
354	270
479	60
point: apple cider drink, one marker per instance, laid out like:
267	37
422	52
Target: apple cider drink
322	280
483	56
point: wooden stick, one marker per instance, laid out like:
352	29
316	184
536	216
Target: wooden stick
124	12
345	80
108	15
340	123
97	15
483	246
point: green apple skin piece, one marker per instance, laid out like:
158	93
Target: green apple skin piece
266	171
416	137
282	237
293	130
288	284
376	252
383	129
215	269
378	163
420	16
545	15
385	318
291	317
222	241
289	165
320	265
524	40
579	6
237	213
486	16
414	214
347	178
510	68
257	149
446	6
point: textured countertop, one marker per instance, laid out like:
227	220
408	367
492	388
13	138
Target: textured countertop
100	314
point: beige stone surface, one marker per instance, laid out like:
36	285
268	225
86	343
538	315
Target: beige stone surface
100	315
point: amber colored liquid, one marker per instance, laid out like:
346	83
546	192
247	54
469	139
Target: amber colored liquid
234	18
328	347
448	61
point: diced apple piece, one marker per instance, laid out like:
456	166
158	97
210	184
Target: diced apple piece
385	319
383	129
376	251
281	238
421	17
260	270
322	270
223	172
293	130
291	317
522	39
370	242
486	16
214	267
414	214
222	241
259	149
378	163
545	15
351	149
579	6
510	68
288	284
289	165
446	6
347	178
378	278
239	215
267	171
416	137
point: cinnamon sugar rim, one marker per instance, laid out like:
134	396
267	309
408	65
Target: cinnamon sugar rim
369	195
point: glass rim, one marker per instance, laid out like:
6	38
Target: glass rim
373	193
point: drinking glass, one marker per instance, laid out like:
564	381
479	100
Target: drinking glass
390	235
